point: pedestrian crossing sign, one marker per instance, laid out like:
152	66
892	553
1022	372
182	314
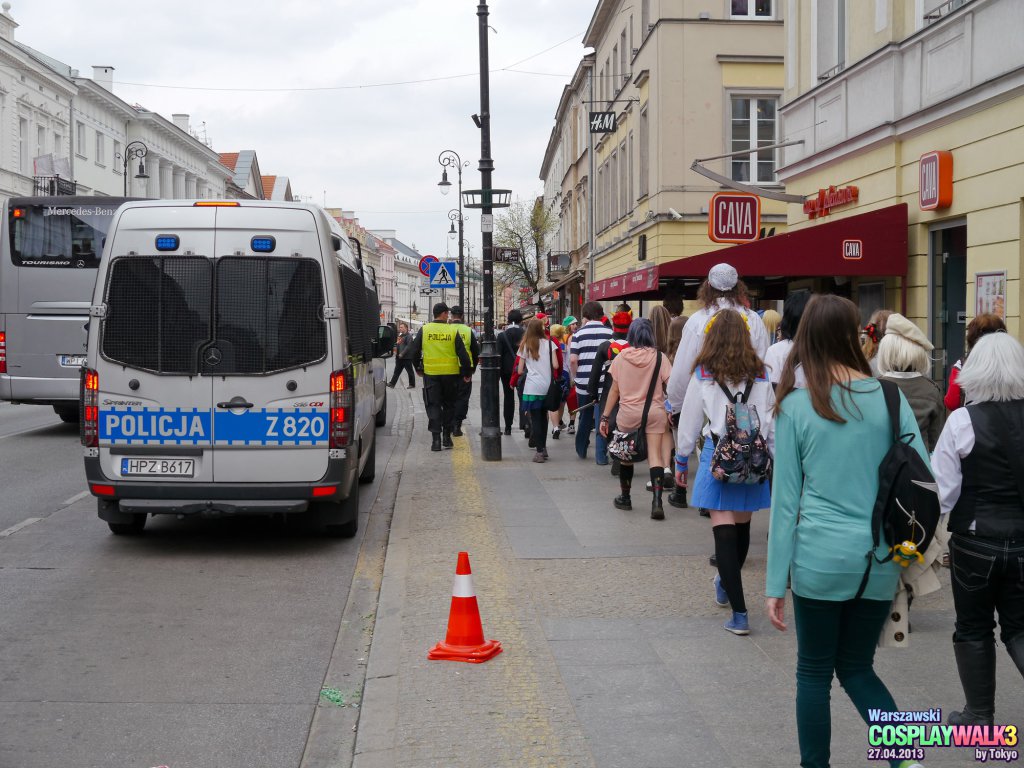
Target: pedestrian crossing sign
442	274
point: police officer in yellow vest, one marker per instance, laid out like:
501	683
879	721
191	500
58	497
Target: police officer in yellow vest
441	356
469	338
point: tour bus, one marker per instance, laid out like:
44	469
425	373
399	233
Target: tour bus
49	250
231	365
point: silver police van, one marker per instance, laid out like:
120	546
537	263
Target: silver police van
230	365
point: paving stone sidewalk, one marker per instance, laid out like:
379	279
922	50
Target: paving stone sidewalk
613	649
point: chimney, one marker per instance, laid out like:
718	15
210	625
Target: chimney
103	76
181	120
7	23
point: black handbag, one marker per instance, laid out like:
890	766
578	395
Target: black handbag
553	398
631	447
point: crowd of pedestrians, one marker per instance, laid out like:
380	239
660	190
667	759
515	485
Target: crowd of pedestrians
786	413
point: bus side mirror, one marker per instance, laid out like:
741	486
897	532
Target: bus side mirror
335	242
386	338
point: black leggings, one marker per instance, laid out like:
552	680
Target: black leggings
539	428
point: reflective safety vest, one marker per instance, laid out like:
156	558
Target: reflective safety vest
439	357
467	340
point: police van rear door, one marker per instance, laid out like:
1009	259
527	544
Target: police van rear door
270	358
155	417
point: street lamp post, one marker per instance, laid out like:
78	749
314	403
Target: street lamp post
453	216
134	150
449	158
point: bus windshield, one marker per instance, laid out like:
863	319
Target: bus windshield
58	234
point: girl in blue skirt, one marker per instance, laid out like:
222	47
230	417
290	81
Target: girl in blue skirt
727	359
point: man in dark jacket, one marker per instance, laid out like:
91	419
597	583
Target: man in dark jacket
465	388
508	346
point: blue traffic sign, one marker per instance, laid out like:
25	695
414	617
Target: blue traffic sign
442	274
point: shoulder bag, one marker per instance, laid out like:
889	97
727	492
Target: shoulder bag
553	398
631	446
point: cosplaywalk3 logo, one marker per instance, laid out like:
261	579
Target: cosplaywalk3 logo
906	735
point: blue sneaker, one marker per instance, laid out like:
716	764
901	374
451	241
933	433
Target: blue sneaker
738	624
720	595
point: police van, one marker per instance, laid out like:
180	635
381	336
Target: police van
231	365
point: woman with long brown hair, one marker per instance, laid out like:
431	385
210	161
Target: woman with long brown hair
539	360
829	439
727	370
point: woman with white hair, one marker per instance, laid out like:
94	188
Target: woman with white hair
903	359
979	467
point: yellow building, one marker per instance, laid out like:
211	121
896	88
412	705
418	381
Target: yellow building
919	106
685	79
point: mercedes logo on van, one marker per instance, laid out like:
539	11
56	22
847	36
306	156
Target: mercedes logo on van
212	356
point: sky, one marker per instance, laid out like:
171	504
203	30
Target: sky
372	150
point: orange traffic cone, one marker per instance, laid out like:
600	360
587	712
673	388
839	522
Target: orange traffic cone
465	638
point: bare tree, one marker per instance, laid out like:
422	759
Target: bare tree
526	226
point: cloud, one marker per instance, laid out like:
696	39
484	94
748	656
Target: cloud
371	149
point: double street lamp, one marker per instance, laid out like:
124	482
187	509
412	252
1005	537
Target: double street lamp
450	159
136	150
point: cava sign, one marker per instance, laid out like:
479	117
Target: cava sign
734	217
936	178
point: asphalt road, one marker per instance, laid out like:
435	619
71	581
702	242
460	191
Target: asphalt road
200	643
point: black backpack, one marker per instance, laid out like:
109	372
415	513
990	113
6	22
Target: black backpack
741	455
906	511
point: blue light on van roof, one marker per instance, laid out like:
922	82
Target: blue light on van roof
167	242
263	244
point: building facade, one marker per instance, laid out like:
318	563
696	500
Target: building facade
684	80
409	306
917	107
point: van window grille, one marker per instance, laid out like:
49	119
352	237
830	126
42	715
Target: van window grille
356	313
158	312
269	315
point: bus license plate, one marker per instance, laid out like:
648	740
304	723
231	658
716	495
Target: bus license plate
157	467
72	361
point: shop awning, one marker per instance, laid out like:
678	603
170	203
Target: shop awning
870	244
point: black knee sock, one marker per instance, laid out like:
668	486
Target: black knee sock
742	541
657	477
625	478
729	566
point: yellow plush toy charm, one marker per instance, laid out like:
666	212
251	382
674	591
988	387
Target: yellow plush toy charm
906	553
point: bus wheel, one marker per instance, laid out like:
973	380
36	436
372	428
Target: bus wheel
68	413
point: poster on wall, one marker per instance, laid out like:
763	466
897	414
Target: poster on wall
990	297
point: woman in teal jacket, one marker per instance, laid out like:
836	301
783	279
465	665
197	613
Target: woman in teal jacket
829	440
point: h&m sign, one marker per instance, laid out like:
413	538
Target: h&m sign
734	217
602	122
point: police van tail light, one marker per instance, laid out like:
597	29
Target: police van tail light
342	410
90	408
3	352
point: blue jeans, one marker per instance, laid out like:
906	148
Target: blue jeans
835	638
588	417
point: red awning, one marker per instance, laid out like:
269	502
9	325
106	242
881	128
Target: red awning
870	244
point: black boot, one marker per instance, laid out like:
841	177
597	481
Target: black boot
657	511
623	501
678	497
446	441
435	441
458	429
976	663
1016	650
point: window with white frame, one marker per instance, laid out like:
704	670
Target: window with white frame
623	57
40	140
23	158
753	125
645	143
598	211
632	166
751	9
645	17
58	145
100	146
624	201
80	139
117	153
613	192
831	37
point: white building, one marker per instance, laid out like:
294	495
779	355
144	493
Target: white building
68	128
409	305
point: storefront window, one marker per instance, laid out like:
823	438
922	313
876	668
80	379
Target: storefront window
752	9
753	126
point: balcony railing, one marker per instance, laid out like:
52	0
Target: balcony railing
558	263
54	185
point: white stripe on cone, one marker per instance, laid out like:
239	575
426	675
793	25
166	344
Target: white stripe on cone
463	586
